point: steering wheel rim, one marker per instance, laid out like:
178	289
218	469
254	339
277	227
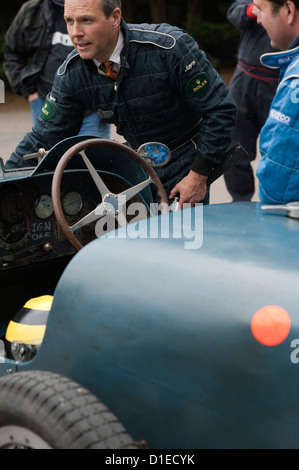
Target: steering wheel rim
77	149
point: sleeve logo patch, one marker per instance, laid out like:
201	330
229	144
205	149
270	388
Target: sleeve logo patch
48	111
280	117
198	84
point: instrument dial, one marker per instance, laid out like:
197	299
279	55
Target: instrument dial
72	203
44	207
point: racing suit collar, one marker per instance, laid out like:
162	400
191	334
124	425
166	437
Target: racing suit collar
282	59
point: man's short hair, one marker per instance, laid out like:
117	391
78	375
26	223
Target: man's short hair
108	6
279	3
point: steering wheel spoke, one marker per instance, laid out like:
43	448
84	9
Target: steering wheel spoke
94	174
134	190
93	216
121	219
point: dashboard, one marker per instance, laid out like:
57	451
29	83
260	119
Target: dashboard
29	232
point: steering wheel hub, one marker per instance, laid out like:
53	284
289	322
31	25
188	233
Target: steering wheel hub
112	203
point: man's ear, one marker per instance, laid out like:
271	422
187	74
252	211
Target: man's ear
291	11
116	17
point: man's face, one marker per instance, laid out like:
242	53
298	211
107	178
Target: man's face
275	24
92	33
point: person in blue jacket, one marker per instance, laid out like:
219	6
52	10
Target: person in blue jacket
278	171
253	87
162	88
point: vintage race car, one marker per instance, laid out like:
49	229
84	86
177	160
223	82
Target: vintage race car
179	330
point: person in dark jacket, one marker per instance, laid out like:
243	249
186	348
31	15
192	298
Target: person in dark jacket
162	88
36	44
253	87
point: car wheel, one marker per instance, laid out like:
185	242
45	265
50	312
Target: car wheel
40	410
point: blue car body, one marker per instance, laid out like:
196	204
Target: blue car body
162	334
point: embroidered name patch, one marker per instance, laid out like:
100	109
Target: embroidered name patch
280	117
48	111
190	66
199	84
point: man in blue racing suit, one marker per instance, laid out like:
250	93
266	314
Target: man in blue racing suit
163	88
278	171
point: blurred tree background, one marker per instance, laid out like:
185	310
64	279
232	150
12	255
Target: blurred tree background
205	21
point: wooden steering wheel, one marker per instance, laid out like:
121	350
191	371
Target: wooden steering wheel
109	199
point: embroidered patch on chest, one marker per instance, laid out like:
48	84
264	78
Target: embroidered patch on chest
198	84
48	111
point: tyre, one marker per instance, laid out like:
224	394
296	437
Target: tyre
42	410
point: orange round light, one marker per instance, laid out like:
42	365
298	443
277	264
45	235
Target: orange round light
271	325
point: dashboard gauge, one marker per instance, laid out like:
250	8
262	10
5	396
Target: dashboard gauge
44	207
72	203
